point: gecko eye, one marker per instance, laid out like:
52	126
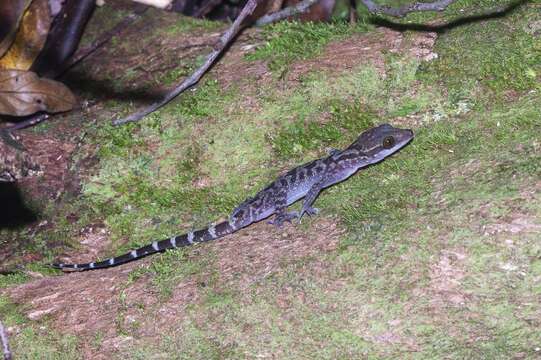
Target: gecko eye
388	142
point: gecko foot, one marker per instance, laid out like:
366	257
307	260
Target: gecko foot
280	219
333	151
310	211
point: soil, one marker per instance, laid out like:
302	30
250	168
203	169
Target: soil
88	303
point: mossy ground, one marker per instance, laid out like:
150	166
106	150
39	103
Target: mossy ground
441	258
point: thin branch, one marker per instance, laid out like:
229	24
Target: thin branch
4	341
82	54
224	41
299	8
33	120
406	9
63	37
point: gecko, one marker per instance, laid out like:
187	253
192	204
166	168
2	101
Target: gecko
305	181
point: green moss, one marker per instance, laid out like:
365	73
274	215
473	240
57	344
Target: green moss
33	341
116	141
133	189
300	137
499	54
237	148
204	101
289	41
199	345
12	279
189	24
175	75
171	267
455	15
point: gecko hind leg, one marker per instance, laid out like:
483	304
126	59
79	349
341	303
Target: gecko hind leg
309	200
310	211
282	217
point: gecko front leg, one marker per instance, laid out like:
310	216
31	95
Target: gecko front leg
309	200
282	215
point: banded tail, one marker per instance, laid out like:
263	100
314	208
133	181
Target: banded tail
191	238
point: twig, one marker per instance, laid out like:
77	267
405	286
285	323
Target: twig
406	9
224	41
82	54
63	37
33	120
4	341
299	8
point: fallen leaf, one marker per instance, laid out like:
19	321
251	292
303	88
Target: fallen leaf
11	12
30	37
24	93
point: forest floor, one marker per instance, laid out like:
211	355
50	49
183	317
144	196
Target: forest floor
434	253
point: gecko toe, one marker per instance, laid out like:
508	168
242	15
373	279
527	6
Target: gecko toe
280	219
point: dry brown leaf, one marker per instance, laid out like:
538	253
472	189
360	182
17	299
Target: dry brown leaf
24	93
11	12
30	37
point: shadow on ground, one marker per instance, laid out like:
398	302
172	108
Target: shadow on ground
13	212
497	13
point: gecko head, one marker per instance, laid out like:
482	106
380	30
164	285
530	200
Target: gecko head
382	141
